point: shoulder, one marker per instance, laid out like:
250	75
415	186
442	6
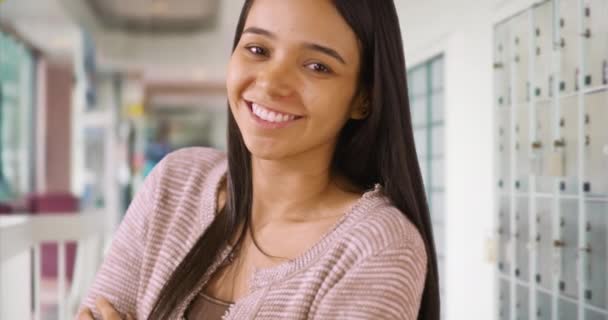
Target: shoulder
382	261
383	229
386	225
184	164
186	181
182	204
201	158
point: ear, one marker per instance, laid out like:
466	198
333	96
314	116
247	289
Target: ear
361	107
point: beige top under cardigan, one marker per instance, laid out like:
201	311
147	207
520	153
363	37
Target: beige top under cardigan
205	307
370	265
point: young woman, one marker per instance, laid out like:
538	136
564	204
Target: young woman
318	208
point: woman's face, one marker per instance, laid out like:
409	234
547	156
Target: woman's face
292	77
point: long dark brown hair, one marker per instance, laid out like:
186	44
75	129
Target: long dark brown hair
382	144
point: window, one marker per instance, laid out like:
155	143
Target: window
426	94
16	88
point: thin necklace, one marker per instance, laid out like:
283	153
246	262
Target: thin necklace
234	255
255	243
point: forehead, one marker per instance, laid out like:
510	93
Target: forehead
315	21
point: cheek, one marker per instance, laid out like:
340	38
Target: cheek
332	104
232	80
237	78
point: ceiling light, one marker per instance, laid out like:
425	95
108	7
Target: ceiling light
159	7
61	43
198	75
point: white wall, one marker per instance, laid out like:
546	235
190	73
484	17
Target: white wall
469	173
462	31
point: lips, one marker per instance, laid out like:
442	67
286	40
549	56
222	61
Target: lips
268	118
269	114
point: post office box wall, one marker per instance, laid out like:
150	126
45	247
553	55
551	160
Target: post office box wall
504	300
596	144
544	243
504	235
554	130
542	147
569	123
520	44
522	149
569	248
543	34
566	310
522	239
504	145
522	305
502	65
595	42
595	315
596	292
543	306
568	42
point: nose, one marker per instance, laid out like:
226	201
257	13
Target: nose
276	79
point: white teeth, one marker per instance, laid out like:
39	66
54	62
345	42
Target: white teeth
270	116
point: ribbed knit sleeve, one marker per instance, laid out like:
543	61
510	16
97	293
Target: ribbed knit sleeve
118	277
386	285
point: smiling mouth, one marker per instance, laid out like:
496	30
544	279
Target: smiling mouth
271	116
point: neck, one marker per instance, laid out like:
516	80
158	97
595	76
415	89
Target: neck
290	189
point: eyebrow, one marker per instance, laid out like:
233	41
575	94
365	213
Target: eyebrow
309	45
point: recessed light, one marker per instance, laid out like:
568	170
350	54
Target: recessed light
159	7
198	74
61	42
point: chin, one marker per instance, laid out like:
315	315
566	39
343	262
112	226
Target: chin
269	153
266	150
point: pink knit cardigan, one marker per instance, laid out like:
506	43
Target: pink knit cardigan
370	265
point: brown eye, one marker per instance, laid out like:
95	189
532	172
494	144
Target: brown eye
256	50
318	67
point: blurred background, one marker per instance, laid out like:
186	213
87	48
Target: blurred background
509	100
